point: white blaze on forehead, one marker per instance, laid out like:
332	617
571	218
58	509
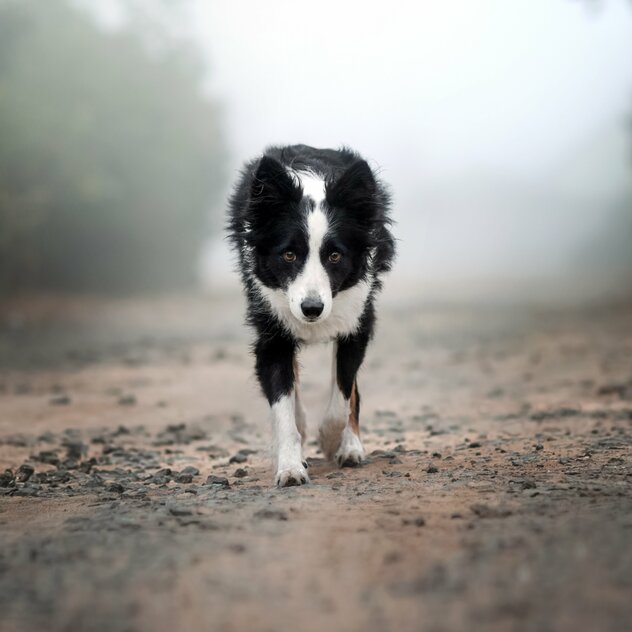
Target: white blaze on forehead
313	186
317	226
313	280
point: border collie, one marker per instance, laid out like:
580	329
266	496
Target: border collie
310	227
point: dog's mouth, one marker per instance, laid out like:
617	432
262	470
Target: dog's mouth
311	320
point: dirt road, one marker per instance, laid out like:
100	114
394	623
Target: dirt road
497	494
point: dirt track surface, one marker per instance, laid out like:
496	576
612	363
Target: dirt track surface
497	492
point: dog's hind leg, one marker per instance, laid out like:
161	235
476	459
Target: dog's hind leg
275	370
301	415
350	452
336	415
340	430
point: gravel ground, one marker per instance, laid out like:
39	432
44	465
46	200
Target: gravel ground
135	478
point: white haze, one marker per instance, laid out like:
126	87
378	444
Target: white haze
501	126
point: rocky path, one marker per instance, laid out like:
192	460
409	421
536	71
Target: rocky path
135	483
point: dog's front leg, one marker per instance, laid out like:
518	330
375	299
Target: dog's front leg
275	370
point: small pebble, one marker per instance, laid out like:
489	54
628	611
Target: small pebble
25	471
238	458
217	480
419	521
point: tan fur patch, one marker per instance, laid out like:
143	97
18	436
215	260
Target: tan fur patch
354	422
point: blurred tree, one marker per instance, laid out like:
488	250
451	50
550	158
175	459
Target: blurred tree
110	155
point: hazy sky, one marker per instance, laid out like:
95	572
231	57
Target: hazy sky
499	124
457	84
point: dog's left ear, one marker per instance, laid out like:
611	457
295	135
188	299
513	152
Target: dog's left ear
355	192
272	186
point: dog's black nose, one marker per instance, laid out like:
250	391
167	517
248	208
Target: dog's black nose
312	307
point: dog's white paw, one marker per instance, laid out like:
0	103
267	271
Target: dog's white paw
350	452
353	458
290	476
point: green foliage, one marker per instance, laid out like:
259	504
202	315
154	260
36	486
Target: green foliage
110	156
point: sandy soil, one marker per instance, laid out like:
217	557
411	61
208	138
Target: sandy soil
497	492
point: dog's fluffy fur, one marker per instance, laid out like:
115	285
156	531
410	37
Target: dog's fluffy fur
310	227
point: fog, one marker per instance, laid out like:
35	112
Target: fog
503	130
500	126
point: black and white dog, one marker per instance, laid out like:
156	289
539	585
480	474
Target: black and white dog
310	227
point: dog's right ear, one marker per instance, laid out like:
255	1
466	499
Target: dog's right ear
355	192
272	186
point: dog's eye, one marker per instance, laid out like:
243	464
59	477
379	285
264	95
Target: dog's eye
335	257
289	256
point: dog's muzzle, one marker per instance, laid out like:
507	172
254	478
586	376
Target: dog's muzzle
312	307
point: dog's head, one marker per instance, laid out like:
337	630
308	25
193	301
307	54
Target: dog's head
311	235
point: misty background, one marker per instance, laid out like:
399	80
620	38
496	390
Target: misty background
504	130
